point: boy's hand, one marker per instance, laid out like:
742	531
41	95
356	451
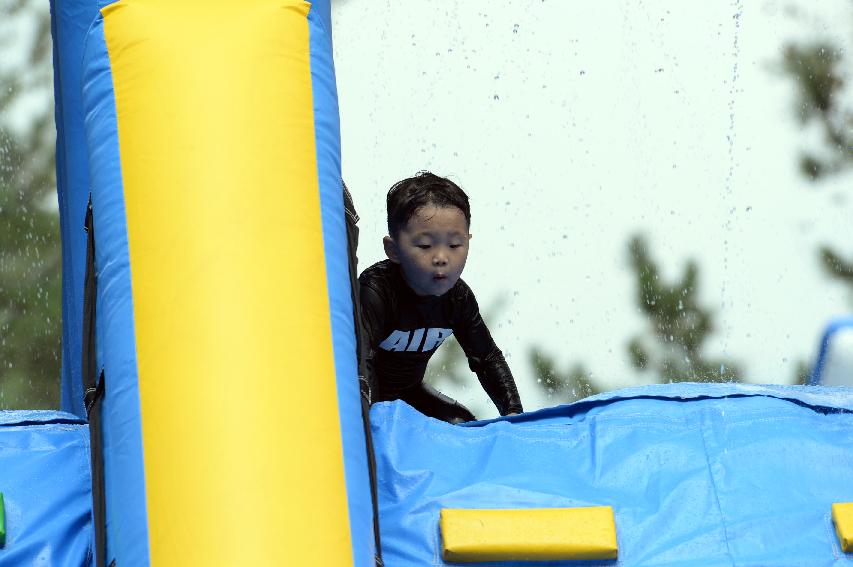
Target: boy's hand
511	413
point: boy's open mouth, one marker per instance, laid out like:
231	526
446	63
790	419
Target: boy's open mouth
439	277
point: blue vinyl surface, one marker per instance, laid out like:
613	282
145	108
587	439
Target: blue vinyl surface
69	22
697	474
328	147
124	473
47	489
835	326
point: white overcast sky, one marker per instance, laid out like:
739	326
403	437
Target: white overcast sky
573	125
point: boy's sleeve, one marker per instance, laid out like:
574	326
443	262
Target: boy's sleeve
352	250
372	320
484	357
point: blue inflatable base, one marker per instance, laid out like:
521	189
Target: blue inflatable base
47	489
697	474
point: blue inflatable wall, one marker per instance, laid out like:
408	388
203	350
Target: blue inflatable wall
206	132
70	21
697	474
47	490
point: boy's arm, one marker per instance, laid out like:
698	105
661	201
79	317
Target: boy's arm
372	319
484	357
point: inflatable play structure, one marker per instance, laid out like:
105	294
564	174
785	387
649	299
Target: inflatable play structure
211	413
834	366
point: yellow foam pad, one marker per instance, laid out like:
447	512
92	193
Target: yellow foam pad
534	534
842	515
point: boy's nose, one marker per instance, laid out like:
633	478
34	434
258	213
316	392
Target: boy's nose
439	260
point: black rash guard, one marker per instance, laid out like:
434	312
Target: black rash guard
403	330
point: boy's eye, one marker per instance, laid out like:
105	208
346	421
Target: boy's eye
423	246
455	245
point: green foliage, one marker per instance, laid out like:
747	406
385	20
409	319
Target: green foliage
836	266
802	373
30	287
815	68
679	325
673	349
30	259
573	384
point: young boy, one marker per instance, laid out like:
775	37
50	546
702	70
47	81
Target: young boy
415	299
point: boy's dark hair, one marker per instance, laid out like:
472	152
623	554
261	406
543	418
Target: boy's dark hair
407	196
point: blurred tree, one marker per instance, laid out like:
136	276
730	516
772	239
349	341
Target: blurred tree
802	373
30	294
678	330
679	325
816	70
838	267
574	384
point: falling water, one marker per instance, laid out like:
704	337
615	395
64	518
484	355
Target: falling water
728	192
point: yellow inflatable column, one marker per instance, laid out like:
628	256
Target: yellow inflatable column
242	446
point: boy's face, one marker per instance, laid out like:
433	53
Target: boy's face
431	249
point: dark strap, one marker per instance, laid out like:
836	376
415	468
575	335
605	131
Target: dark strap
93	383
92	395
364	383
92	387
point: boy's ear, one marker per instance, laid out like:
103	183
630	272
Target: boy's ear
391	249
